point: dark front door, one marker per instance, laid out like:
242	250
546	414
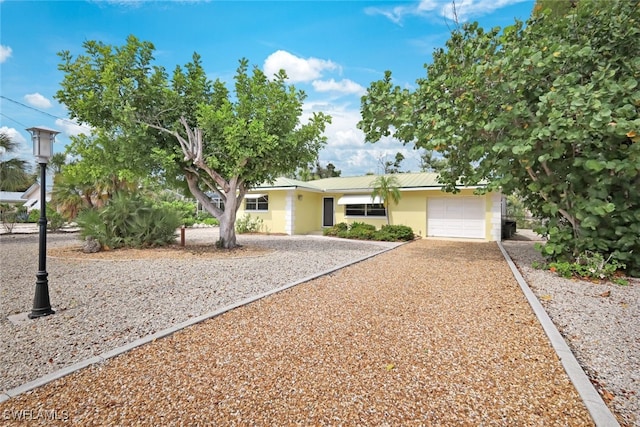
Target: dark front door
327	212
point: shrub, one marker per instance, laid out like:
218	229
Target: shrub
186	210
395	233
248	224
8	216
210	221
363	231
590	265
55	220
206	218
333	231
129	220
34	216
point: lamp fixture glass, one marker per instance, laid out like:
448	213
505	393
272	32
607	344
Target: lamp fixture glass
43	139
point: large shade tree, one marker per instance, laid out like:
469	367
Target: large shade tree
186	127
548	110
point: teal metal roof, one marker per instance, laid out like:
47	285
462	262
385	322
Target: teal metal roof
406	180
282	182
356	183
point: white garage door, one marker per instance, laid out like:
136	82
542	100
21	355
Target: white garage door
456	217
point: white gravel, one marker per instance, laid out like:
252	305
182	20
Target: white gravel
102	305
600	323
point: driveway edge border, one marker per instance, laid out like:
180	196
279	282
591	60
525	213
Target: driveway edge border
600	412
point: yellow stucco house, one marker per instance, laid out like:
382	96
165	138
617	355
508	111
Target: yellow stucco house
298	207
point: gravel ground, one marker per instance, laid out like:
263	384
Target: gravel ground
431	333
599	322
104	304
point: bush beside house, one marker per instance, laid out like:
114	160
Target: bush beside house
363	231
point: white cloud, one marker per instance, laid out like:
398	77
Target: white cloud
298	69
13	134
346	147
23	149
5	53
72	128
464	9
37	100
345	86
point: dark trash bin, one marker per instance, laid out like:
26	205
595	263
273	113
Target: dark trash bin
508	229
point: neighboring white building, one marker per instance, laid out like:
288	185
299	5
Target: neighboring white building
29	198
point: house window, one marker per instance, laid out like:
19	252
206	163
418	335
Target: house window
368	209
257	203
217	200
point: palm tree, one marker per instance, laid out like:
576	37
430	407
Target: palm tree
69	197
57	162
386	188
14	172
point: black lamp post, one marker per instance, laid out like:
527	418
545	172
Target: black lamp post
43	139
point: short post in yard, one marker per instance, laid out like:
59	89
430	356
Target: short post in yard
43	139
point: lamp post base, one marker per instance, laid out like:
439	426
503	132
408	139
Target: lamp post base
41	304
40	313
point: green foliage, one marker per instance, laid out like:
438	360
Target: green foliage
185	130
590	265
55	221
308	173
518	212
14	172
430	162
185	209
129	220
386	188
390	166
395	233
549	110
8	216
363	231
209	221
557	8
337	228
34	216
248	224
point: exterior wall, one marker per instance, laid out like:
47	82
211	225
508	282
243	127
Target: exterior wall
274	220
290	211
411	210
308	211
300	212
497	206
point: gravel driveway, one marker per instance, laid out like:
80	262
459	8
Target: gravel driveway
430	333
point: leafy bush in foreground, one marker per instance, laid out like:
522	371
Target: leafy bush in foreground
129	220
589	266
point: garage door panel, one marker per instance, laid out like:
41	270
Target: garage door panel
456	217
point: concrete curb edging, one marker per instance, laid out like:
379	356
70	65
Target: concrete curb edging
101	358
599	411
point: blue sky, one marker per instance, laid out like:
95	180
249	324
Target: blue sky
332	50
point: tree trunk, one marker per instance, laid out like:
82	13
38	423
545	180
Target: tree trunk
232	190
226	217
227	223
